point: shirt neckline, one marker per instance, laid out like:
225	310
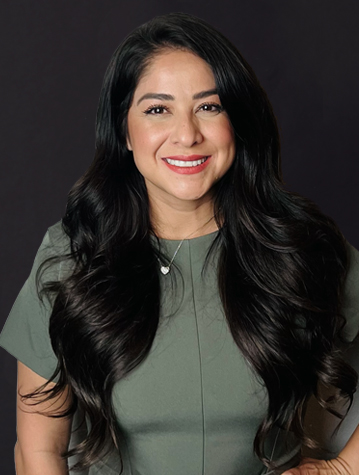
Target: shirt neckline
197	239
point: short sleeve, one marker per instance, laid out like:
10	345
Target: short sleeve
351	296
25	334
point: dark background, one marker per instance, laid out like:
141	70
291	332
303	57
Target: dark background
53	58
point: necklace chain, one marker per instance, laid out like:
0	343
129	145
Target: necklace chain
165	269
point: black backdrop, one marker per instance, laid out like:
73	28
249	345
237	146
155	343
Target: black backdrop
53	58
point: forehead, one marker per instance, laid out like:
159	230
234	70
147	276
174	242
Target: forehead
170	68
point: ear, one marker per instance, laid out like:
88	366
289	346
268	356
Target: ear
128	144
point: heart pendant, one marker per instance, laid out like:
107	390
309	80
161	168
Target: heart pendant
165	270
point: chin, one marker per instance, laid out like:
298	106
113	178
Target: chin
189	196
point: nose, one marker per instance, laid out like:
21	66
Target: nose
186	131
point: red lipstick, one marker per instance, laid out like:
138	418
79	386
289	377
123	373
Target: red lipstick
187	170
186	157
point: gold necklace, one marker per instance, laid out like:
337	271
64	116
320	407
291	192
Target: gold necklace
165	269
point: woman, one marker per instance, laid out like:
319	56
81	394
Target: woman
193	304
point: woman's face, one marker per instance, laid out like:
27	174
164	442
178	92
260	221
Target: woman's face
177	113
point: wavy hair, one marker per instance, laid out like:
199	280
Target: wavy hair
288	258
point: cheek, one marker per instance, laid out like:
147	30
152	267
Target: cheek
147	139
227	137
225	141
222	134
142	164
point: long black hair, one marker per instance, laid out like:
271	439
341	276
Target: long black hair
288	259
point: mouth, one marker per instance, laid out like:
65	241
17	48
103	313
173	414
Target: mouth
187	167
186	163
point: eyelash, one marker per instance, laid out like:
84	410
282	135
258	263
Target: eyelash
159	106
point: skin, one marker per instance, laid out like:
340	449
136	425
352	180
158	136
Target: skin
179	203
337	466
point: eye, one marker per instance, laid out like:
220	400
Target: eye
218	107
155	108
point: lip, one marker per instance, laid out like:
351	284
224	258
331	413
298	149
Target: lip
185	158
188	170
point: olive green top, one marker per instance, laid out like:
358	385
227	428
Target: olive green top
193	405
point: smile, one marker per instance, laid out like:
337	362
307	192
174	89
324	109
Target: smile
181	163
187	167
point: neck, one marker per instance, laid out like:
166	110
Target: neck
176	223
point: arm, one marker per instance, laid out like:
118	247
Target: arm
40	439
347	462
350	453
39	463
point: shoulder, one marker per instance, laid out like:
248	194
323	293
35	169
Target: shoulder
354	260
351	295
55	241
57	238
351	286
55	244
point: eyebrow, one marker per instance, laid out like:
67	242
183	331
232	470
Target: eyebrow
169	97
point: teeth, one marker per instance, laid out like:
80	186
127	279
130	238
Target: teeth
181	163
